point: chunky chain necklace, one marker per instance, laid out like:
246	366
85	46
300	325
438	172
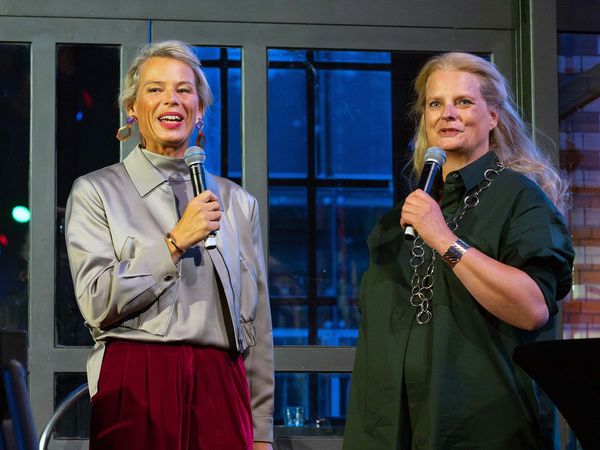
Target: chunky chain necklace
421	283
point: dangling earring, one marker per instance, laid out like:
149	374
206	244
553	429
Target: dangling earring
124	132
200	139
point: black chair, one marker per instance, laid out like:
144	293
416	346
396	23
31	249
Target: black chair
23	435
569	373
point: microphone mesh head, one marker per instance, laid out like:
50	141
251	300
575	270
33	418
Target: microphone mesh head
434	154
194	155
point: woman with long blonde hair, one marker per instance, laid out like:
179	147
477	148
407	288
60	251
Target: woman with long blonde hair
442	314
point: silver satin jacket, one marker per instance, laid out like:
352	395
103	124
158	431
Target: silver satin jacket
126	283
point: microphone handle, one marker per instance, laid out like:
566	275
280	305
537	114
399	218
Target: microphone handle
198	177
410	233
429	177
197	185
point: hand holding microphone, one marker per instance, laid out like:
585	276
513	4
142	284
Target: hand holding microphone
194	157
430	181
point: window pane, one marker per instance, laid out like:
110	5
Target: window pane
338	323
345	217
288	252
234	53
222	120
211	54
353	124
323	398
360	57
290	323
76	422
212	123
234	119
207	53
87	86
286	55
287	121
14	185
291	389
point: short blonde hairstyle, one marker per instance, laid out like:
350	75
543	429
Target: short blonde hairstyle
166	49
510	139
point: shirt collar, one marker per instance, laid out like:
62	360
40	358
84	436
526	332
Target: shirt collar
473	173
146	177
170	168
143	174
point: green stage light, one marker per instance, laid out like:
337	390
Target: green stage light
21	214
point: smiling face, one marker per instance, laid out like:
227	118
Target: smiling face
166	105
457	118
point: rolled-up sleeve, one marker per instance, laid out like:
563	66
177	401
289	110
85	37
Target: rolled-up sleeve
109	289
537	242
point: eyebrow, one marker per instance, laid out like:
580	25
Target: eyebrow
440	97
163	82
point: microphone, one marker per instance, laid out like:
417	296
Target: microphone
430	181
194	157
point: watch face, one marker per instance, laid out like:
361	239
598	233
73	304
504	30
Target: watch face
455	252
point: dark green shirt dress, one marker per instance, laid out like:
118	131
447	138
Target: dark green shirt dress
452	383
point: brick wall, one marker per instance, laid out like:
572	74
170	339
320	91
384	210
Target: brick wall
580	157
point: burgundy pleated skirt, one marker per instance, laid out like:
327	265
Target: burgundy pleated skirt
171	397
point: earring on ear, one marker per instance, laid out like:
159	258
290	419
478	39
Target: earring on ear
124	132
200	139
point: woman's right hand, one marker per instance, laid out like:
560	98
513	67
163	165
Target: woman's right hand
201	216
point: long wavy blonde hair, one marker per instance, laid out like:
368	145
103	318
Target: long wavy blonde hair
511	139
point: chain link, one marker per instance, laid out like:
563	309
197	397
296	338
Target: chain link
421	284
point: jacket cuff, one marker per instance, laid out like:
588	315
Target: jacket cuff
162	269
263	428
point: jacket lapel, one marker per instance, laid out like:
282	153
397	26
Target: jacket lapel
225	257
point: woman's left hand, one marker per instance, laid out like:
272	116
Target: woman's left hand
422	212
262	446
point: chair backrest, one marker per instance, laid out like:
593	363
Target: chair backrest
13	345
62	409
14	379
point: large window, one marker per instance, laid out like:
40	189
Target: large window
338	168
338	139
